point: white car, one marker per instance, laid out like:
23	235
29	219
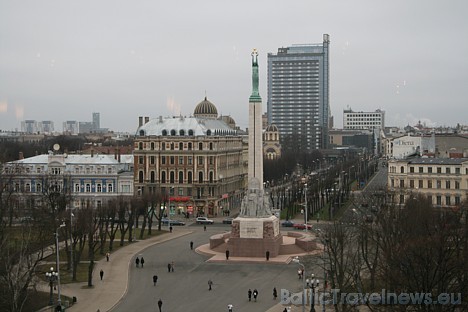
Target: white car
204	220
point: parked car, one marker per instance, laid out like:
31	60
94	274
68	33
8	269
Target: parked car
302	226
227	221
204	220
287	223
172	222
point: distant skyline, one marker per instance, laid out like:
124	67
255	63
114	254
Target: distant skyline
62	60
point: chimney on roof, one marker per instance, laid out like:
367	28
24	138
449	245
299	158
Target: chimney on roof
20	155
146	119
140	121
118	153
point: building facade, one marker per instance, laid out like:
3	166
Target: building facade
198	161
363	120
444	181
298	95
89	180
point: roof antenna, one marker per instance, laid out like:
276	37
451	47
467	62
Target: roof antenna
205	94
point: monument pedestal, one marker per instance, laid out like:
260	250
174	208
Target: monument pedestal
254	237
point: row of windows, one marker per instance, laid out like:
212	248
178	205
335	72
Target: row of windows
171	160
172	175
58	170
438	200
171	146
429	184
447	170
86	188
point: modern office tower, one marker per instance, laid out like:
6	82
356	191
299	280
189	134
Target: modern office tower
29	126
298	95
96	121
363	120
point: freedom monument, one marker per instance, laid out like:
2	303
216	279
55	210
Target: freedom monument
256	230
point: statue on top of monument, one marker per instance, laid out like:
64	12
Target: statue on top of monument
256	203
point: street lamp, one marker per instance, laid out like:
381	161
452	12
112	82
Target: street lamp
52	276
59	301
312	283
169	210
296	260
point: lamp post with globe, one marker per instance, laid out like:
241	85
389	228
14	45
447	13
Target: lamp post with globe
52	277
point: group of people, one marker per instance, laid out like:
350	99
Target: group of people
139	261
253	293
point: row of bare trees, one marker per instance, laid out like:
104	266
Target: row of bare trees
411	249
28	223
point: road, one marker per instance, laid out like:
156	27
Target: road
186	289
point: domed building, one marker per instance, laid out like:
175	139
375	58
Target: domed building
271	143
198	161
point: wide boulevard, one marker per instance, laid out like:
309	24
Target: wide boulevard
186	289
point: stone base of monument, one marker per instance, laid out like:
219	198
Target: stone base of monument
254	237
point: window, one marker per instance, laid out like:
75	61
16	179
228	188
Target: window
172	160
181	146
402	199
171	177
190	146
181	160
77	188
38	187
189	177
55	170
109	170
447	170
200	160
429	183
211	160
110	188
411	169
140	146
180	191
140	177
27	187
438	200
392	182
411	183
181	177
140	160
457	200
439	169
152	159
200	177
190	160
152	176
447	200
402	183
420	184
211	176
421	169
163	146
163	160
152	146
457	185
163	176
211	146
457	170
447	184
439	184
172	146
99	188
88	188
429	169
200	146
402	169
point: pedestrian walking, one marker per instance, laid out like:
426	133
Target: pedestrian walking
155	280
210	283
191	245
142	261
249	294
204	228
255	294
137	262
172	266
229	307
275	294
170	229
285	310
267	255
101	274
227	254
160	305
107	256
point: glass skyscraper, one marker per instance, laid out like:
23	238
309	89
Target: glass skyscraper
298	95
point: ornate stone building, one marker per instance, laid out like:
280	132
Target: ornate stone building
197	161
271	143
444	181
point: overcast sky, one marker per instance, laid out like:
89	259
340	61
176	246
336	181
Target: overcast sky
63	60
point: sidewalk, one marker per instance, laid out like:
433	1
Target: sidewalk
105	294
